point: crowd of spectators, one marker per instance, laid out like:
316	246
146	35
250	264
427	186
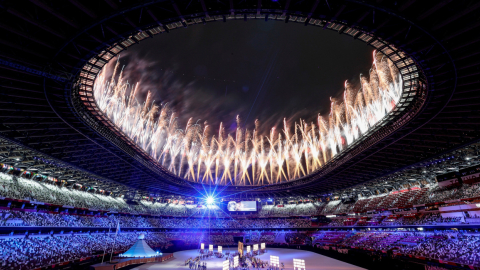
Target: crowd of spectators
25	252
440	194
35	251
29	252
42	219
26	189
267	238
29	218
233	223
427	194
296	238
51	192
436	218
425	218
303	209
451	246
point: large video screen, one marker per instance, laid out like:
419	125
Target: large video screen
242	206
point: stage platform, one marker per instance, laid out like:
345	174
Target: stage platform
313	261
118	263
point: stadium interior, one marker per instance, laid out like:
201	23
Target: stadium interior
79	188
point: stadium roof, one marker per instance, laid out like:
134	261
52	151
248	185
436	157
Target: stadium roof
46	45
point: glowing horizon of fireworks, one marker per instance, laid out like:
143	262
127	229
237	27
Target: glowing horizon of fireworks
247	157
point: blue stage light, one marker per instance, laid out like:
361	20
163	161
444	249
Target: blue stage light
210	200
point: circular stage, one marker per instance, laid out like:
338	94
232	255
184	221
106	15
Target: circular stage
313	261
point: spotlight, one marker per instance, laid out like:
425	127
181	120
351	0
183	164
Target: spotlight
210	200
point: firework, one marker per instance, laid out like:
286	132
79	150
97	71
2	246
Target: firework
247	157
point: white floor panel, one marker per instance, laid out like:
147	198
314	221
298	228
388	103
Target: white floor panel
313	261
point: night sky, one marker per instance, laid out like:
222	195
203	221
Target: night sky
255	69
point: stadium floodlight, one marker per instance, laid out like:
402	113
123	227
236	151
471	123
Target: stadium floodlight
210	200
202	246
210	248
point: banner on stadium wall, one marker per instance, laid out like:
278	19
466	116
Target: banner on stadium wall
463	207
448	182
404	190
452	215
40	203
469	175
450	201
448	179
470	179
